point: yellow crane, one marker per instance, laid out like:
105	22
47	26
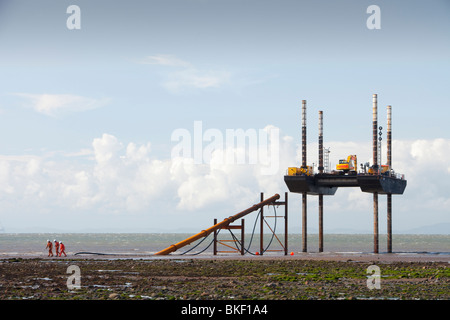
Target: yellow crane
307	171
349	165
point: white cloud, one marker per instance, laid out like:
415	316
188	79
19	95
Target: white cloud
165	60
193	78
61	104
427	170
124	178
187	76
106	148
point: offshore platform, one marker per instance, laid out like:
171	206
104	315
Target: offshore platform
376	179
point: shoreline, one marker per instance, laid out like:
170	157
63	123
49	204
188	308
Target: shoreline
318	256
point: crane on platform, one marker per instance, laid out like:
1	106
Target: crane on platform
305	171
348	166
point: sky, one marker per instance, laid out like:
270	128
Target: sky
92	119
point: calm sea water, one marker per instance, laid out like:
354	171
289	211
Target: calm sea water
29	244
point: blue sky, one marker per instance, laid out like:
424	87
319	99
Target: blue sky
138	70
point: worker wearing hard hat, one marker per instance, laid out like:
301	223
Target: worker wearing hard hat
62	247
56	247
49	247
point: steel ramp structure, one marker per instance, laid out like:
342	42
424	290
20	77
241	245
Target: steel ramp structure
220	225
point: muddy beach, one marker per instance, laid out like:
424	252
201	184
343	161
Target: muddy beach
311	277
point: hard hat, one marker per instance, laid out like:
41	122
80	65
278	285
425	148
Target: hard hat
60	242
54	240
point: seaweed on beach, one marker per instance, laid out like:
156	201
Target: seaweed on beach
227	279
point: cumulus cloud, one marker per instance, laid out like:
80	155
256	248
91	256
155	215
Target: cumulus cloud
427	167
61	104
124	178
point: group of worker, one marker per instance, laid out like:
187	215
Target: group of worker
59	248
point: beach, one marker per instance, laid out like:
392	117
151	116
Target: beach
125	267
303	276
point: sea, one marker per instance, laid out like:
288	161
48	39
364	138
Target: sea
147	244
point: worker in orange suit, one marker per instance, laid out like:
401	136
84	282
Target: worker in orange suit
56	247
62	247
50	248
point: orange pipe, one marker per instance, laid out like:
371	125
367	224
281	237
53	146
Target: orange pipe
217	226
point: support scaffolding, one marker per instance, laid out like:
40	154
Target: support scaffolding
263	222
304	195
389	163
226	225
236	247
376	170
321	172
